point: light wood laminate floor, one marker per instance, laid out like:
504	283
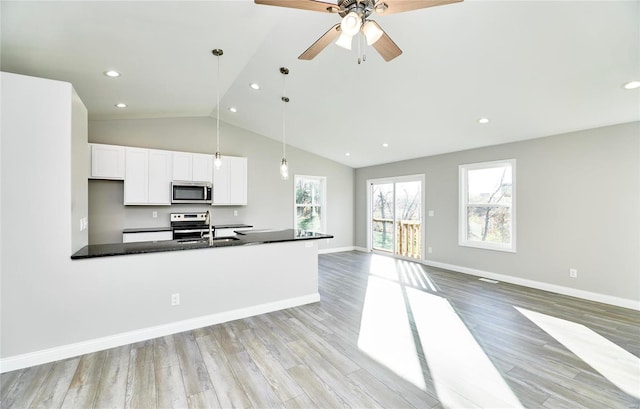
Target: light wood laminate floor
387	333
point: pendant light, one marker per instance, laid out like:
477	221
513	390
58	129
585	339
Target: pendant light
284	167
217	159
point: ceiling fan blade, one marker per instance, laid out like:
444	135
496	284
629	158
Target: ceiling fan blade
311	5
386	47
400	6
321	43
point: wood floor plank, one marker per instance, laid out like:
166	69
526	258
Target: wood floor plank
254	383
170	387
277	376
320	393
26	387
345	387
84	385
194	372
300	402
228	387
141	383
56	384
112	389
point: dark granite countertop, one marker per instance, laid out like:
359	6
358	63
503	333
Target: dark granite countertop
243	239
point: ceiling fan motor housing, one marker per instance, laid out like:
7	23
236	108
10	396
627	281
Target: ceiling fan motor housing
363	7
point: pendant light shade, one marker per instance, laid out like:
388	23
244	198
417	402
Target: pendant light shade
284	166
217	161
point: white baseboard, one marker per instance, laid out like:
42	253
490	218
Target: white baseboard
336	250
362	249
67	351
587	295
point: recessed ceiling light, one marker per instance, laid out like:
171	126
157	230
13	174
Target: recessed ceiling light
632	85
112	73
483	121
233	109
347	154
255	86
121	105
385	145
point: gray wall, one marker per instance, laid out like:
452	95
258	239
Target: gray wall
578	206
270	199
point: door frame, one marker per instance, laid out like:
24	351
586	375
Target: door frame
397	179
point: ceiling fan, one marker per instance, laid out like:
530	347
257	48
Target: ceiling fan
355	18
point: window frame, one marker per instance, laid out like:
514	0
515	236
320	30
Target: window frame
323	200
463	205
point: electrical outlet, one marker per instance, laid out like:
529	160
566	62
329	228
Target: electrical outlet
175	299
154	214
432	213
573	273
235	212
429	250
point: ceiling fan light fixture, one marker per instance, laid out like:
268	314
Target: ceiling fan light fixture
372	32
344	41
351	24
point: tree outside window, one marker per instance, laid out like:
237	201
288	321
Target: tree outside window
310	203
487	205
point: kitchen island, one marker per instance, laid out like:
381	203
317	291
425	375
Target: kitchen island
242	239
135	286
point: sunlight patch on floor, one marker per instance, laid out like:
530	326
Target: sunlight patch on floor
385	334
463	375
616	364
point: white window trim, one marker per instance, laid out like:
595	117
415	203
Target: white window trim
323	204
462	206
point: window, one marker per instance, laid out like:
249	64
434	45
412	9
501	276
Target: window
487	198
310	203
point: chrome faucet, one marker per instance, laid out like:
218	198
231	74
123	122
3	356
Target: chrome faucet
208	221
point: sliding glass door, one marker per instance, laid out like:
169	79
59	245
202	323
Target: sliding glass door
395	216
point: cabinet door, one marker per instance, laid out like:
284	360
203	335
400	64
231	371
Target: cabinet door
182	166
202	167
230	182
221	183
136	181
237	181
107	162
160	175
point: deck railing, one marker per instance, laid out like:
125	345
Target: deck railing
408	236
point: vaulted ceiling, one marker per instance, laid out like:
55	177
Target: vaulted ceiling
533	68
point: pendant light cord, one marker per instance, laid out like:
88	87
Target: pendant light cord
218	108
285	99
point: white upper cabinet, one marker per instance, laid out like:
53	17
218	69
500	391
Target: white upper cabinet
148	177
230	182
107	161
202	167
196	167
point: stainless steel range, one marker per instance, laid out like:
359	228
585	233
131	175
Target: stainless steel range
190	225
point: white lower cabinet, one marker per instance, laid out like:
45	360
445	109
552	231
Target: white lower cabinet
148	175
230	182
147	236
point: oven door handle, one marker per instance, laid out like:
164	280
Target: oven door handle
189	231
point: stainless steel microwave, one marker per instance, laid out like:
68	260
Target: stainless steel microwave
191	192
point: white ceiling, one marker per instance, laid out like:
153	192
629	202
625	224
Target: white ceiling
534	68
